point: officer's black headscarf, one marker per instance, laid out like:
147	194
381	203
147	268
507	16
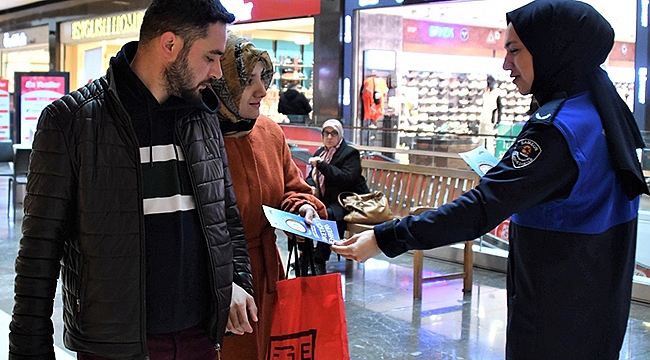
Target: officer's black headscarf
568	41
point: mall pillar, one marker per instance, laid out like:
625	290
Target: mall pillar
328	64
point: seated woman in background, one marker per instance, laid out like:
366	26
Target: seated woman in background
336	167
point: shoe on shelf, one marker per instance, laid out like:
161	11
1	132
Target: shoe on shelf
320	269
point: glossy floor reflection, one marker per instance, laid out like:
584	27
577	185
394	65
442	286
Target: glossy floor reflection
383	320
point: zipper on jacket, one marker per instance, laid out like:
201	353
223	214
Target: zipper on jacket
130	132
217	347
198	203
81	293
210	154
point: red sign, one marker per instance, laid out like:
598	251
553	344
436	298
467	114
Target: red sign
502	230
642	271
262	10
4	109
36	92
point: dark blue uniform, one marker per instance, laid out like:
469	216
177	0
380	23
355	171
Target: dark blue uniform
572	235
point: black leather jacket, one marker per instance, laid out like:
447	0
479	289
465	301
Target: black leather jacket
84	218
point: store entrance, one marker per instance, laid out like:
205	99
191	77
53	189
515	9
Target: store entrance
447	91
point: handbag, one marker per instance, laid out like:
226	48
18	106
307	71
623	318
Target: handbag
371	208
308	316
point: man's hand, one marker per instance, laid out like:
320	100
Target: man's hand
308	212
241	304
359	247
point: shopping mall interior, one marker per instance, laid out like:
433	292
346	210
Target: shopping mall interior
439	91
383	319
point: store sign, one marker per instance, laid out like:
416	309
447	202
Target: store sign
442	32
262	10
35	93
109	26
4	110
32	36
14	40
419	32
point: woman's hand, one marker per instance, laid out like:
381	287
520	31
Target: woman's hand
308	212
314	160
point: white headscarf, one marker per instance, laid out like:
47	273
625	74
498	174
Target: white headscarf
327	154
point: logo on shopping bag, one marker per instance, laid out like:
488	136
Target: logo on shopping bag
298	346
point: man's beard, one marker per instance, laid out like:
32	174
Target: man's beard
178	79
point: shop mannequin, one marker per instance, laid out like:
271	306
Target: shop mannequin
491	114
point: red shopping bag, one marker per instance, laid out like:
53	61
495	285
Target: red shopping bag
309	320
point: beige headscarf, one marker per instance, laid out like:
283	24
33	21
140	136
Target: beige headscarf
237	63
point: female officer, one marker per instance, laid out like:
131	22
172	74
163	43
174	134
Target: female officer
572	181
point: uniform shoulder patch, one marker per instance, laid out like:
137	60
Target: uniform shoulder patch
524	153
547	112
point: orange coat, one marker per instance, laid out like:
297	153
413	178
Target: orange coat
263	173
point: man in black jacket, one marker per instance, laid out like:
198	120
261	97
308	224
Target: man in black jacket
294	104
129	196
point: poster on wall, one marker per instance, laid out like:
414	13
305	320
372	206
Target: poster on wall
34	91
5	107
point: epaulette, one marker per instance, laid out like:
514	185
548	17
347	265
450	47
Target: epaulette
546	113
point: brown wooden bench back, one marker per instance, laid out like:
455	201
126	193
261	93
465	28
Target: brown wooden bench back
409	186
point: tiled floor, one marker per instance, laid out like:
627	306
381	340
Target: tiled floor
383	320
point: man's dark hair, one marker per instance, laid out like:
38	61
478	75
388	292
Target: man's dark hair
188	19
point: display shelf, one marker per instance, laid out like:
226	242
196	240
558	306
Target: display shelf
626	92
292	69
439	102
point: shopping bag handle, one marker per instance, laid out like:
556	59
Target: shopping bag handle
307	248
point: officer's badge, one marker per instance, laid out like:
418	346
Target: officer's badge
525	152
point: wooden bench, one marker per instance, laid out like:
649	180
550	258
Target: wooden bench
411	189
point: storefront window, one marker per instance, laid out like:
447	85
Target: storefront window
24	61
448	92
89	60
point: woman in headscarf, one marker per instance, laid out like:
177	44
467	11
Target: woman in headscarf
571	182
336	167
263	173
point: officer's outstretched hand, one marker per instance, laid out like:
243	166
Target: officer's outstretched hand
241	305
359	247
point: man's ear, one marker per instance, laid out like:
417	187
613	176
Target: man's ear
170	45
